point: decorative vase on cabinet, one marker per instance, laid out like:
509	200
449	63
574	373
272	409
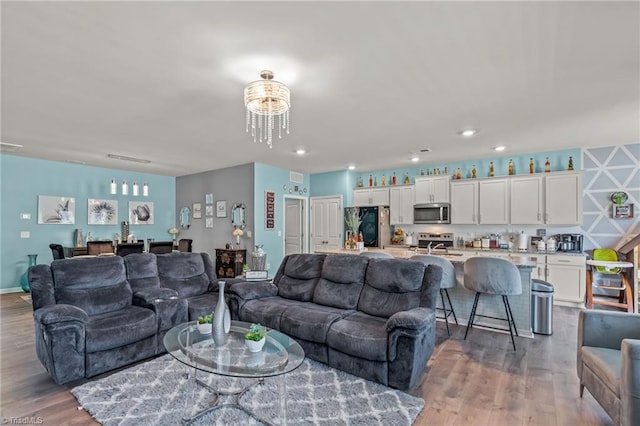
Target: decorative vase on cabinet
24	280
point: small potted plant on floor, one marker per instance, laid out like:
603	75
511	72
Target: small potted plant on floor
255	337
204	323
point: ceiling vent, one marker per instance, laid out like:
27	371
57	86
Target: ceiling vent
9	147
296	177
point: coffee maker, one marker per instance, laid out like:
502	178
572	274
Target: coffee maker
569	243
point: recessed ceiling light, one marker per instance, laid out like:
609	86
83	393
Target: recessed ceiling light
351	167
300	151
467	133
498	148
415	158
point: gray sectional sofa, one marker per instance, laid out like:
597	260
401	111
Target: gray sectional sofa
96	314
374	318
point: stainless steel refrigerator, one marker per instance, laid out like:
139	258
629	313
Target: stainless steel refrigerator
375	226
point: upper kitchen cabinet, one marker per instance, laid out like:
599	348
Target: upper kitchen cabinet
432	189
464	202
563	198
370	197
401	201
527	200
493	206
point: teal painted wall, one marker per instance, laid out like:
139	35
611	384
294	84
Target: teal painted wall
340	182
23	179
269	178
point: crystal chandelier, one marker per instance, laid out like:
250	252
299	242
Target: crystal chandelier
267	102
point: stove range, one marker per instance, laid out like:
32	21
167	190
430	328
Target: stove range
424	238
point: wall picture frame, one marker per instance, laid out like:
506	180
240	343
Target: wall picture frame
208	198
209	211
102	212
56	210
197	210
208	222
140	213
221	208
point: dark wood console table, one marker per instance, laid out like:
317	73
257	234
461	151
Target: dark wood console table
229	262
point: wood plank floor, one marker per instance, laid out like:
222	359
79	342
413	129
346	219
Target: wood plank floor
480	381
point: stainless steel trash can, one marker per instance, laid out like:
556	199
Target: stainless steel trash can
541	307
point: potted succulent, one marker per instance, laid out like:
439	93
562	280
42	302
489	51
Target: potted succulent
255	337
204	323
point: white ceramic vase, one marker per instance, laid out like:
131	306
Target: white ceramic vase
255	346
221	318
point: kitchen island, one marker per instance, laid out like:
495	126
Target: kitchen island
462	299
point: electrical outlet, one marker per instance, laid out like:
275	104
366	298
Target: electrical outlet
248	234
25	234
25	216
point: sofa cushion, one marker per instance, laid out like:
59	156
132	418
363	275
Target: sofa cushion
142	271
300	276
605	363
391	285
309	321
360	335
96	285
266	311
341	281
203	304
183	272
119	328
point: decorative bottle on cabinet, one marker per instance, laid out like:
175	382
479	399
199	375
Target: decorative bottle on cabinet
458	173
473	172
370	180
221	318
547	166
393	179
570	167
491	169
406	180
531	166
511	169
24	279
383	181
360	182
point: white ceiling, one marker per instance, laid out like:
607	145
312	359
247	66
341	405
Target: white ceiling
371	82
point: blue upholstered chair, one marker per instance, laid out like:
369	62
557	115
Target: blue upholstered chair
496	277
448	281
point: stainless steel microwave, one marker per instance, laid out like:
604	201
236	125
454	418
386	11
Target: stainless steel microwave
432	213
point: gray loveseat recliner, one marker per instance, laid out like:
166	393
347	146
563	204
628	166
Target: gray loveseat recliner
609	362
96	314
374	318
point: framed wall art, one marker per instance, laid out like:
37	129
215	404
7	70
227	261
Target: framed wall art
208	222
102	212
208	198
56	210
140	213
221	209
209	211
197	210
269	210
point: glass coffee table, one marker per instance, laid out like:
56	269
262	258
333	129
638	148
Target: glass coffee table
280	355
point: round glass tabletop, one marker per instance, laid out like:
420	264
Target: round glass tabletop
280	354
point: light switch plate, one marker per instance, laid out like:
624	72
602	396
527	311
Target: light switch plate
25	234
25	216
248	234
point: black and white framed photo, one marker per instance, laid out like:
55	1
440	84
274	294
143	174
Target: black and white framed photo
221	208
102	212
56	210
208	198
208	222
197	210
209	211
140	213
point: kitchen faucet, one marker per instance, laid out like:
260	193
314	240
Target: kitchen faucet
429	248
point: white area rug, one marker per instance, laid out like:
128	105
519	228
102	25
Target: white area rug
162	391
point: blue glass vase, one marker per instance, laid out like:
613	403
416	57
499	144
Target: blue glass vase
24	280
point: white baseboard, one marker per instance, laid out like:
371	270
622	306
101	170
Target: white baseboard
11	290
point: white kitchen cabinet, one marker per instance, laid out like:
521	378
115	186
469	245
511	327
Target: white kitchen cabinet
526	203
567	274
563	198
371	197
401	200
493	196
464	202
432	189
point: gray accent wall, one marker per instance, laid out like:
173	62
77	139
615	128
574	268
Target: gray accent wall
233	185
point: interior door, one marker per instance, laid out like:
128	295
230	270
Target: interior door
326	223
293	226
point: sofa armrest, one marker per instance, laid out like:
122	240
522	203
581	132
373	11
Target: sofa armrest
414	319
170	309
630	383
230	282
254	290
60	341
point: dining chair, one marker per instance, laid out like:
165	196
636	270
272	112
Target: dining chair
184	245
57	251
124	249
160	247
99	247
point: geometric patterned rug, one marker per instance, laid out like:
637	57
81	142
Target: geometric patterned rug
163	392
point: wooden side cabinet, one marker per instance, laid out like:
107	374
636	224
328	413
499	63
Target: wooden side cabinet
229	262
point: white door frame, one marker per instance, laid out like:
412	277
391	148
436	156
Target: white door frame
304	218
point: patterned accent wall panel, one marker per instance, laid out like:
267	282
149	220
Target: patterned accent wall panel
607	170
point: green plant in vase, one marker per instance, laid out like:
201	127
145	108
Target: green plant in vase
204	323
255	337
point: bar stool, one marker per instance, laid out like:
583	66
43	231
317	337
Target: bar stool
492	276
448	281
605	261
